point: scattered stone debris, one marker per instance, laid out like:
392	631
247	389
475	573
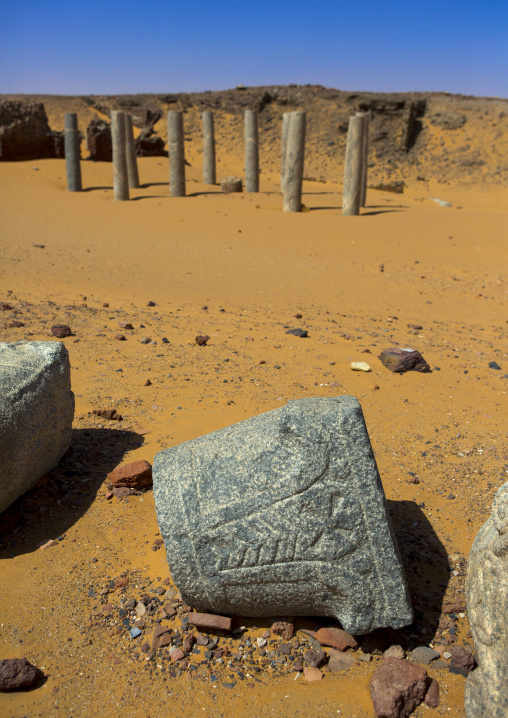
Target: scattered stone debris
18	673
402	360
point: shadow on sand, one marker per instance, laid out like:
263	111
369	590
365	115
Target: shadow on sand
63	495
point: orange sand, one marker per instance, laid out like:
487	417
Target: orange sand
443	269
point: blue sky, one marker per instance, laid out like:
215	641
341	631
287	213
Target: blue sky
113	47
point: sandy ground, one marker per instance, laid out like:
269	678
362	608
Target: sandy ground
237	268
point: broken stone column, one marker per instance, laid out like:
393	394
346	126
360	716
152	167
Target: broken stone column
365	161
487	604
72	142
36	412
209	176
132	162
283	513
251	151
283	149
176	154
295	152
351	197
120	176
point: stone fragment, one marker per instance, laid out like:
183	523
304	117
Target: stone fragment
302	333
285	629
209	622
36	412
432	695
360	366
314	658
16	673
121	337
336	638
48	544
487	603
202	339
298	665
312	674
423	654
177	654
284	509
397	688
402	360
16	324
125	325
136	475
338	661
61	331
394	652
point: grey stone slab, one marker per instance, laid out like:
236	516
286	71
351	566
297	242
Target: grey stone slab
423	654
36	412
487	604
283	514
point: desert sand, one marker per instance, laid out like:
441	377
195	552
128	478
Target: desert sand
407	273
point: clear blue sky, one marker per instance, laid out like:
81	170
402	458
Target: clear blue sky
113	47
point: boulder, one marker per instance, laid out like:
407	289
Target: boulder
24	132
98	141
487	604
402	360
36	412
397	688
283	511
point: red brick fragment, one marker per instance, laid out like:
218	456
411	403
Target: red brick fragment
335	638
136	475
177	654
285	629
210	622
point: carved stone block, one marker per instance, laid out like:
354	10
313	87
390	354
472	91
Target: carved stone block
283	514
487	603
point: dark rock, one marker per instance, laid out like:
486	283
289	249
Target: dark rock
24	131
325	545
148	144
487	603
98	138
402	360
110	414
16	324
314	658
298	333
202	339
397	688
494	365
16	673
61	331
